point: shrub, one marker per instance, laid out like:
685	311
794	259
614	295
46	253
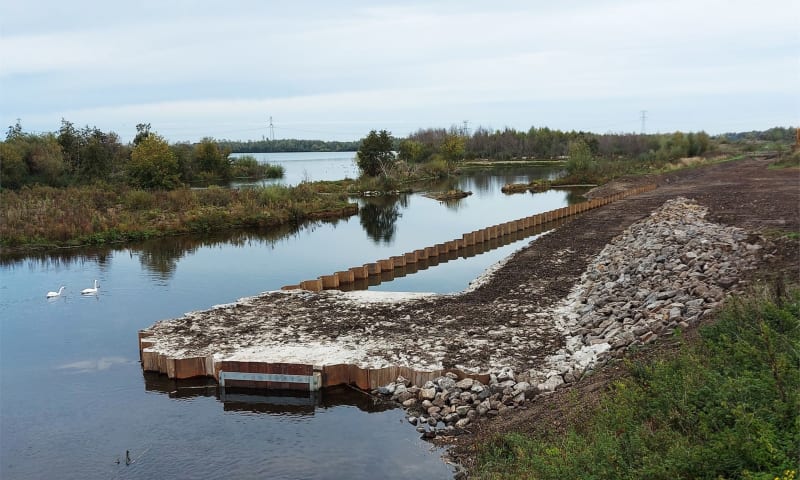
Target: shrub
216	196
138	200
248	167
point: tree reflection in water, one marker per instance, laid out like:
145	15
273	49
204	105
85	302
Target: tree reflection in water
159	256
378	216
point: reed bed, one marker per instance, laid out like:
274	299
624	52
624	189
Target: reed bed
47	216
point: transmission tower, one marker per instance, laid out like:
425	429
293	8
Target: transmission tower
644	120
271	129
465	128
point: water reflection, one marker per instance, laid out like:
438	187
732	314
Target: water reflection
490	180
271	402
467	252
575	195
379	215
94	365
454	204
159	256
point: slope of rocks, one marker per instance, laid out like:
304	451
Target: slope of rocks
664	272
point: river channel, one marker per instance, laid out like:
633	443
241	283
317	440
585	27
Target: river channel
74	402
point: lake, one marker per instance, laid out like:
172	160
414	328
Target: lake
73	397
307	166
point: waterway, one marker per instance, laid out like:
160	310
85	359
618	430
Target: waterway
73	398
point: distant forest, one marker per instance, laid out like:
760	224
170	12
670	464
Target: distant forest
510	143
287	145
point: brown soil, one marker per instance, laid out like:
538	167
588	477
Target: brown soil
743	193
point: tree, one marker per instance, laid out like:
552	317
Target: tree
375	154
210	161
13	169
142	132
14	131
30	158
98	153
153	165
580	157
91	154
71	142
452	148
44	158
411	151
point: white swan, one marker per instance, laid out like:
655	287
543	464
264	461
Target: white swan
55	294
90	291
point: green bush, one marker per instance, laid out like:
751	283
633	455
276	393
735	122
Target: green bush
247	166
437	166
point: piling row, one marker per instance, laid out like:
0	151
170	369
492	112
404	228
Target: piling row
282	376
368	273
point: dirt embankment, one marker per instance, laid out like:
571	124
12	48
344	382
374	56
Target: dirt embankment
746	194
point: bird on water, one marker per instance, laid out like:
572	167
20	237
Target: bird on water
55	294
90	291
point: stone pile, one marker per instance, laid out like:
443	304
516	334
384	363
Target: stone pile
665	272
449	404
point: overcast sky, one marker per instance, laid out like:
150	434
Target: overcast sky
335	70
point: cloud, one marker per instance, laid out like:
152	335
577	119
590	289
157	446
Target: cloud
231	66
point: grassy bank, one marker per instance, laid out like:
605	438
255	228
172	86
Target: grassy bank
726	407
602	170
48	217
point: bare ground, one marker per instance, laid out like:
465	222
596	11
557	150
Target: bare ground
743	193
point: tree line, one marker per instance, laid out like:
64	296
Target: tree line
74	156
287	145
545	143
379	151
78	156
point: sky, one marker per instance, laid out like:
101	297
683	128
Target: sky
336	70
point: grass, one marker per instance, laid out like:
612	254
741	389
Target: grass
45	216
603	170
725	407
787	161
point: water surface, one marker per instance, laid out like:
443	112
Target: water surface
73	397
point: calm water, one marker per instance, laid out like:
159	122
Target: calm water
73	396
308	166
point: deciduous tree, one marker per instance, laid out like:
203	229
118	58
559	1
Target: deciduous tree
153	165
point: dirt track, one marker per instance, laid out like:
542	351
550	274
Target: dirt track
743	193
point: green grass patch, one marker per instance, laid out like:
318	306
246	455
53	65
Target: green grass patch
787	161
726	407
